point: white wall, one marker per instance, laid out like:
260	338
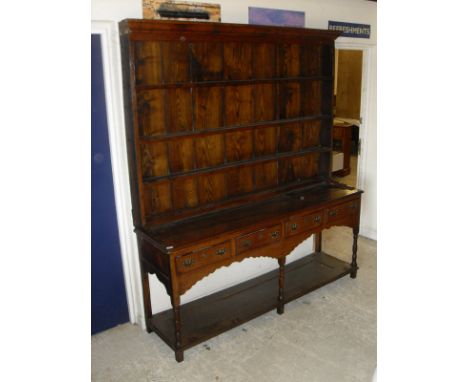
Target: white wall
317	13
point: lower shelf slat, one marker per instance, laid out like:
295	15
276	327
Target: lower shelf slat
209	316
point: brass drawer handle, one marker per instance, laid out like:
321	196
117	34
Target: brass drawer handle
332	213
293	226
275	235
317	219
246	243
221	251
188	262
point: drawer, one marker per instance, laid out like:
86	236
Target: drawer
300	224
259	238
205	256
342	211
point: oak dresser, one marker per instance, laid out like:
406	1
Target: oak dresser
229	132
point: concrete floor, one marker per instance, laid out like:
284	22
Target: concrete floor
326	336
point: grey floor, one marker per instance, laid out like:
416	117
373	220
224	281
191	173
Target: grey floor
326	336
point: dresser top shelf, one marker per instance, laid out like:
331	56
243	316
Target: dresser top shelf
198	229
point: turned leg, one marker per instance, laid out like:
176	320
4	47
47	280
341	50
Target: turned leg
354	266
146	298
179	354
318	242
280	307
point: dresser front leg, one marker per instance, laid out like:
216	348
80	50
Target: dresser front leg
179	354
280	307
354	266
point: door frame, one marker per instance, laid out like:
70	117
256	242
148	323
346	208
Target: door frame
365	100
110	46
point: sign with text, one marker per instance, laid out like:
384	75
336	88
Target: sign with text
350	29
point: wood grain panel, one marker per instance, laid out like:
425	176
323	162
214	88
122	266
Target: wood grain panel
298	168
311	133
154	159
181	155
157	197
290	137
237	61
238	105
208	111
239	180
265	141
264	60
179	106
239	145
290	100
312	98
206	61
289	60
176	66
148	69
209	150
266	175
184	193
212	187
151	112
309	165
265	102
311	60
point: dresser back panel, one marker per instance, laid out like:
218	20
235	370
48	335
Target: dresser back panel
222	118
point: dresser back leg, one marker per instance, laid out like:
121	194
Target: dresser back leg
354	266
318	242
280	307
146	298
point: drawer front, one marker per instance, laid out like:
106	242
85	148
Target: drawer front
259	238
342	211
208	255
300	224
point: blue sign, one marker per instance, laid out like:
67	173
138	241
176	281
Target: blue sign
350	29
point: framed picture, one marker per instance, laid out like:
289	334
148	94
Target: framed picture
170	10
278	17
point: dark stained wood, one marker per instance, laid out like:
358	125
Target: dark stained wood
206	61
290	137
290	99
152	112
208	107
181	155
264	60
239	145
179	110
209	150
175	59
238	105
229	131
280	307
237	61
148	63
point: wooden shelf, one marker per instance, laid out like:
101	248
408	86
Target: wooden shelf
227	129
253	81
239	164
209	316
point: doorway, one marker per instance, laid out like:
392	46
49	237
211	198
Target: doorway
347	115
108	296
